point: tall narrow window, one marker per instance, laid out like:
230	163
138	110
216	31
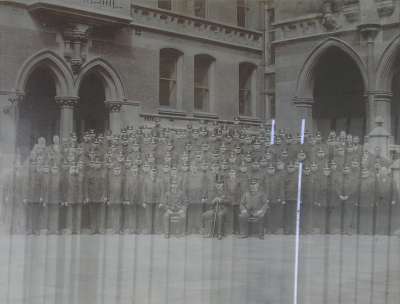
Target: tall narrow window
200	8
202	82
169	72
271	35
246	88
165	4
241	12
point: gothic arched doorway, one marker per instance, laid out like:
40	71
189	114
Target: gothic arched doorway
91	112
339	102
38	113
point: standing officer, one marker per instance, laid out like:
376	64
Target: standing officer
366	202
290	199
54	199
274	194
132	192
233	195
152	195
115	184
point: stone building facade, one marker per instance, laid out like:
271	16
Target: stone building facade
70	66
82	64
335	64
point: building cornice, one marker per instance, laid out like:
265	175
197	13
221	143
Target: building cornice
165	21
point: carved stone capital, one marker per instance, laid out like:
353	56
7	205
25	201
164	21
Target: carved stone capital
15	99
66	102
114	106
369	30
382	96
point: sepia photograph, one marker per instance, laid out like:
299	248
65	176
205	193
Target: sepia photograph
199	151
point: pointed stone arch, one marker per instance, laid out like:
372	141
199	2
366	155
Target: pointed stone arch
112	82
387	67
305	80
55	64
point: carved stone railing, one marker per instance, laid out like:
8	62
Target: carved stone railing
197	28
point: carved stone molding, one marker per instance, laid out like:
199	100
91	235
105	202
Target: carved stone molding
197	28
66	102
351	11
385	7
113	106
75	41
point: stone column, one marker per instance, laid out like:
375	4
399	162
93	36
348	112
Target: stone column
66	114
115	115
379	139
382	102
369	31
304	110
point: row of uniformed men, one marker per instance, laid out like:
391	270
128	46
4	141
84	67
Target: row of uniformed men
333	200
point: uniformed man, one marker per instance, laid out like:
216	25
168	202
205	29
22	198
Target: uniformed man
97	197
290	199
253	205
307	200
44	198
152	194
367	199
115	180
215	216
232	188
54	200
273	185
73	202
132	192
174	204
335	206
386	195
322	199
346	192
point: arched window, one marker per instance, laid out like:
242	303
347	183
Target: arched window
91	112
39	115
170	74
339	102
247	88
203	82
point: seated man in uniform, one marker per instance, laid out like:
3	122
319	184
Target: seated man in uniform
253	205
175	206
215	214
